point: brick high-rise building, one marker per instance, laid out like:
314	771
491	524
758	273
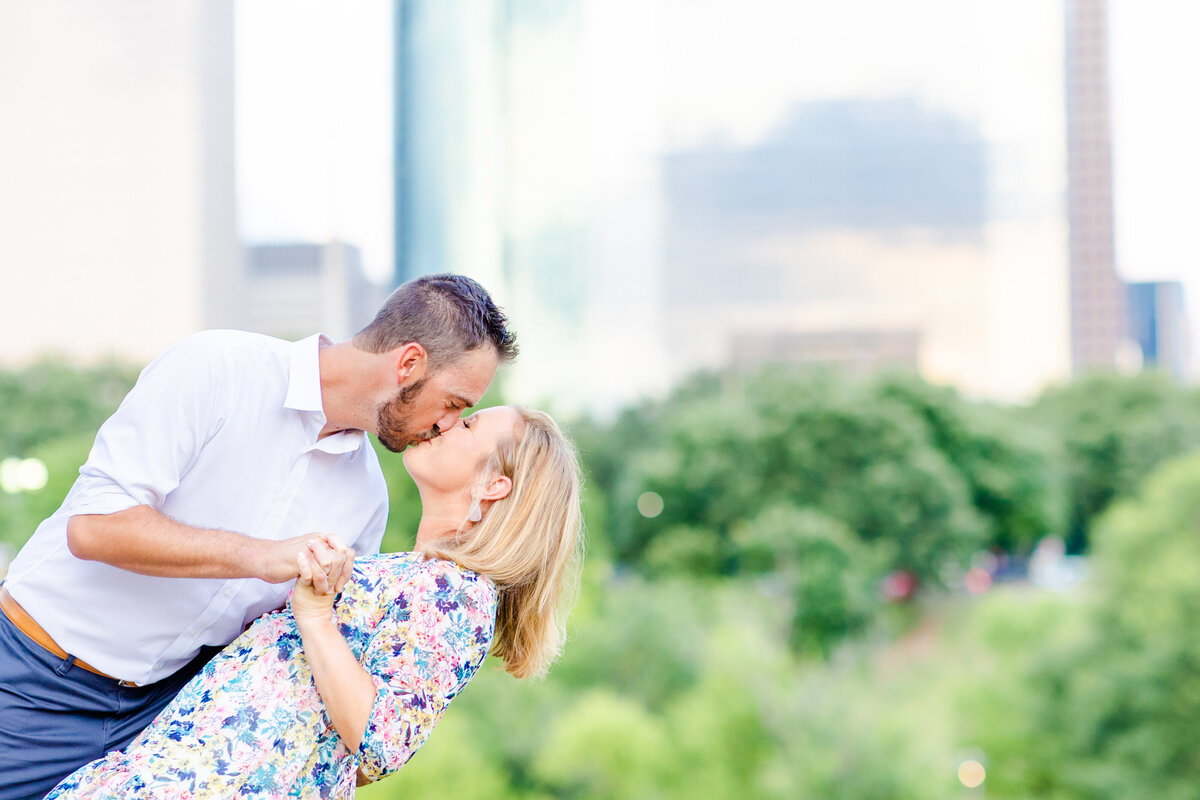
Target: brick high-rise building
1098	318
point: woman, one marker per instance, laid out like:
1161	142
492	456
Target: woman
313	694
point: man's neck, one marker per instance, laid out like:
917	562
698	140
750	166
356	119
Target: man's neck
346	398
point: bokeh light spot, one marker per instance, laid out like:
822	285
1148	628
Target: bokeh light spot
9	481
23	475
650	504
971	773
32	474
978	580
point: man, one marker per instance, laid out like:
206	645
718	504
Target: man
232	454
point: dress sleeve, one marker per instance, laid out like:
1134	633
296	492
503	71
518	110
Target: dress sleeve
144	449
425	650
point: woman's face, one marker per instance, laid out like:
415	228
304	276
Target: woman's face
450	462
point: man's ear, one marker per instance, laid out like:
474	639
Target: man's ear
410	362
497	488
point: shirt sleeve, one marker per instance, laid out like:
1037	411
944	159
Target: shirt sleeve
144	449
427	648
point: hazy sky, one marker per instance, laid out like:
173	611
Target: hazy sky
314	102
314	127
1156	130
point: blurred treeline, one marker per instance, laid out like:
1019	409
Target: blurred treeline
733	638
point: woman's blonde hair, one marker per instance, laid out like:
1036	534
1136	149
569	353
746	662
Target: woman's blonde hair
529	543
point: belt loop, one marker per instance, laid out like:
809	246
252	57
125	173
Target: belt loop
65	666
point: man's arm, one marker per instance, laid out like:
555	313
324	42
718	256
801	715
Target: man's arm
143	540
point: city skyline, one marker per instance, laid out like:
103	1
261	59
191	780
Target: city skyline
314	159
1153	131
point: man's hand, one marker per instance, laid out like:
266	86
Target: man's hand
334	558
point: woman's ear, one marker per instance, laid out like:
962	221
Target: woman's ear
497	488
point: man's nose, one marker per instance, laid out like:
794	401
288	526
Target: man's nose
447	421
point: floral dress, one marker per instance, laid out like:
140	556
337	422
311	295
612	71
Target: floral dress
252	725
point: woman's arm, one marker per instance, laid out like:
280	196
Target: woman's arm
423	651
414	665
345	687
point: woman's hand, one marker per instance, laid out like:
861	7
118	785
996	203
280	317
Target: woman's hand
334	558
324	571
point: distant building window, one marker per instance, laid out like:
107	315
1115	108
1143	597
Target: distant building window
286	260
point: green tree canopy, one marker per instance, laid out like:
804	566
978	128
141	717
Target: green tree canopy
1113	431
1106	707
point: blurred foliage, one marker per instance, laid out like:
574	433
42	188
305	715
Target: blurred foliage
52	399
1106	708
718	452
823	484
737	642
52	410
1009	467
829	575
1113	431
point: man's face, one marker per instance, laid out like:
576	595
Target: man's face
433	403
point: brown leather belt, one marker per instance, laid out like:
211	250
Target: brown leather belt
28	626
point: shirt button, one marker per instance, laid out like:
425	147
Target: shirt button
227	592
191	631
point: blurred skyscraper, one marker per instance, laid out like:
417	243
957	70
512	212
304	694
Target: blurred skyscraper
904	228
858	223
1098	316
448	138
922	226
916	218
1158	324
298	288
501	175
117	196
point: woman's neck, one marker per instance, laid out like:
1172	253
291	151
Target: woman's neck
440	519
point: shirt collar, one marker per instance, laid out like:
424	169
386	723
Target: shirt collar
304	394
304	375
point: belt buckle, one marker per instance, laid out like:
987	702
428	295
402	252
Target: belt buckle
127	684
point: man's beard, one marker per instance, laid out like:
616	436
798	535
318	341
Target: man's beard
394	429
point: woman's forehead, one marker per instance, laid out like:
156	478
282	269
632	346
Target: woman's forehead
501	418
497	415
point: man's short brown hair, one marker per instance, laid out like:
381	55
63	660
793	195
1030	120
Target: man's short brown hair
447	315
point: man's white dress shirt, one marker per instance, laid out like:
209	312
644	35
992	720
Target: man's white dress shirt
219	432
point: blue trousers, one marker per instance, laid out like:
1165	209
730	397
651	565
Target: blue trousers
55	717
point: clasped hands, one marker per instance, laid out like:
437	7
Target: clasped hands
325	565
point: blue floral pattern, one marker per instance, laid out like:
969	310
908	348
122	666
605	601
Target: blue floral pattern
252	725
